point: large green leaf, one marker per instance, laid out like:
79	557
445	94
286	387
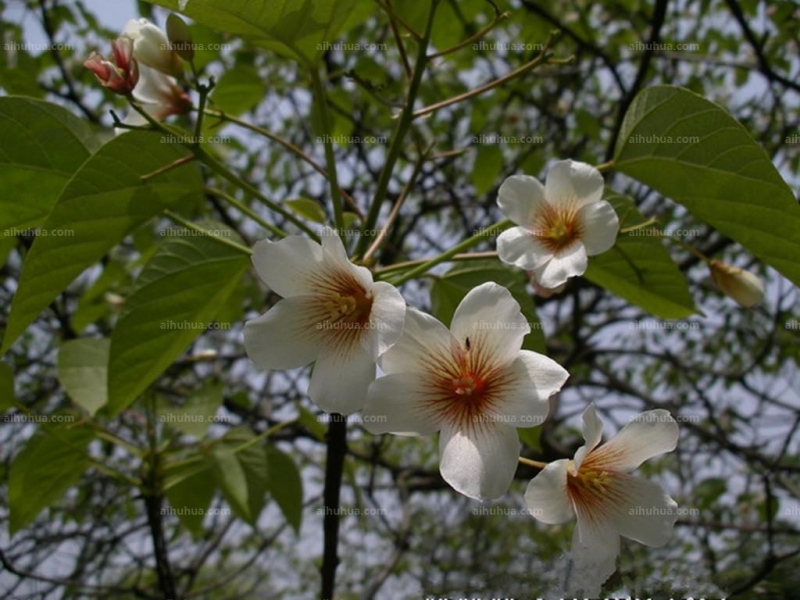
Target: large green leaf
177	295
190	495
286	486
83	371
195	417
104	202
302	29
640	270
449	290
41	147
724	177
51	462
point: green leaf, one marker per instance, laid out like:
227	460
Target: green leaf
239	90
191	496
177	296
302	29
725	179
42	146
308	209
231	477
253	458
286	486
7	396
531	437
640	270
449	290
51	462
487	169
83	371
104	202
195	417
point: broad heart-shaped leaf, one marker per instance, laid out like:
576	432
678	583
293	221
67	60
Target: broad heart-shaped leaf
449	290
640	270
725	179
286	486
302	29
51	462
83	371
177	295
195	417
41	147
105	200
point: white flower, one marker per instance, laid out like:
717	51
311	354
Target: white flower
151	47
741	285
472	383
560	224
332	313
596	488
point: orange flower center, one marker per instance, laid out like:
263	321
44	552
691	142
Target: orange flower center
558	227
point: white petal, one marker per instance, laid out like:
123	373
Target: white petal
569	262
340	380
337	261
424	338
491	318
532	378
387	317
154	87
284	337
521	198
642	510
546	496
480	462
289	266
647	435
600	225
595	547
573	183
592	434
519	247
395	403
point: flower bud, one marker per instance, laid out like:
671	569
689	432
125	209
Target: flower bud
180	37
742	286
540	290
120	73
152	48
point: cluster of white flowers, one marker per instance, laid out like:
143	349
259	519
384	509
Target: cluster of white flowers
471	383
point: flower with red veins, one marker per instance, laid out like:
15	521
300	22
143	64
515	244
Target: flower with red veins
472	383
560	224
120	73
332	314
152	47
597	489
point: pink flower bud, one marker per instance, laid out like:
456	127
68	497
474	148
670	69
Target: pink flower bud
120	72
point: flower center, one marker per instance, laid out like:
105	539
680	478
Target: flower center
352	307
589	488
558	227
464	386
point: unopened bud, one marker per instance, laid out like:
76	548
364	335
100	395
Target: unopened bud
742	286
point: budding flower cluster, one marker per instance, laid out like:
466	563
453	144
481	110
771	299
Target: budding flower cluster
742	286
